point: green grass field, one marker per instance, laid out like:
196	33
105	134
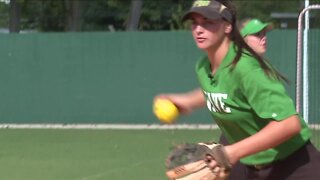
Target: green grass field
64	154
43	154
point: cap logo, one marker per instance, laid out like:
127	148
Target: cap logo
201	3
218	6
222	7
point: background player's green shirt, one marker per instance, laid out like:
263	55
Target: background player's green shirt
244	100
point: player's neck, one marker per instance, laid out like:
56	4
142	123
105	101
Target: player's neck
217	54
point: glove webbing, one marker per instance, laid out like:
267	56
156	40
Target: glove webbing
219	154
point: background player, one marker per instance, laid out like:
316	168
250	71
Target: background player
254	33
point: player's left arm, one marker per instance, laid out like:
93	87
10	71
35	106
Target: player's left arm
273	134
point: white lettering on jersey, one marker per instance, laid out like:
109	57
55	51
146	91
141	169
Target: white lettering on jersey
215	103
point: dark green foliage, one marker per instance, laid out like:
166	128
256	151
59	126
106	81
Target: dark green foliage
106	15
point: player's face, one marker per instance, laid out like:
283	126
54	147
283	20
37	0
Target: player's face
258	42
207	33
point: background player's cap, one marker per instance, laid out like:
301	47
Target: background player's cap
254	26
210	9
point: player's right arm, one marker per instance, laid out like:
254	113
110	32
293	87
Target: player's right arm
186	102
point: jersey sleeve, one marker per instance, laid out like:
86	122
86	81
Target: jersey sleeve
267	96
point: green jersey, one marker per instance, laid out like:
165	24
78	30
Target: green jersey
243	100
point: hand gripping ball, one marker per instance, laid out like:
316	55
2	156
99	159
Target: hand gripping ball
165	111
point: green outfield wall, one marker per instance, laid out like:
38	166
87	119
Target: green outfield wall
107	77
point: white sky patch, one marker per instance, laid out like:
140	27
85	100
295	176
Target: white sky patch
5	1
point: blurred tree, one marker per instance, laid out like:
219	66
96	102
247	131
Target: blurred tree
163	14
122	15
102	15
263	9
175	21
132	22
4	15
52	15
44	15
14	16
73	15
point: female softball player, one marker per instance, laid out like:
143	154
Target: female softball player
247	100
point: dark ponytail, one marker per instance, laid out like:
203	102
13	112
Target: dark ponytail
241	45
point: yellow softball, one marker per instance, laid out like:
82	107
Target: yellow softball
165	111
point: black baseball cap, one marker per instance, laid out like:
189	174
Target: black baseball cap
210	9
